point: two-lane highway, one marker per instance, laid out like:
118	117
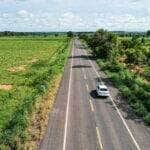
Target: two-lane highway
81	121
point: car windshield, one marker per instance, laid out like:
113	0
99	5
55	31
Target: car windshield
103	89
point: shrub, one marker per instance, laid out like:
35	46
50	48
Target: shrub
103	64
146	73
115	66
147	118
115	78
128	78
139	108
126	92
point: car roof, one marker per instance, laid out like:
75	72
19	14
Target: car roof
103	86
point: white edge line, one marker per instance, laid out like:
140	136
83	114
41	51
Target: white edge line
99	138
136	144
68	101
124	122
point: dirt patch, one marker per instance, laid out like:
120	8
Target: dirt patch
39	120
17	69
6	87
136	68
33	60
121	59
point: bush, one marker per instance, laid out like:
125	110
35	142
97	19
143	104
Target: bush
115	79
147	118
139	109
146	73
104	64
115	66
127	77
126	92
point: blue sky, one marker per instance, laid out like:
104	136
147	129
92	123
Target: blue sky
75	15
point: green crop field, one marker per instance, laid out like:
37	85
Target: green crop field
27	65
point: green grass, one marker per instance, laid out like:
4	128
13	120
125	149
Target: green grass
49	55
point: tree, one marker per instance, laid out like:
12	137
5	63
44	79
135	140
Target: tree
83	36
70	34
103	43
126	44
143	40
148	33
135	41
56	34
134	55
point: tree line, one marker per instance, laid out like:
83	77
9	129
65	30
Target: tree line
107	45
12	33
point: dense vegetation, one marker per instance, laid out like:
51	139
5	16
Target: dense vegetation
126	60
27	67
12	33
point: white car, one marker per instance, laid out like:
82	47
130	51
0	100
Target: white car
102	90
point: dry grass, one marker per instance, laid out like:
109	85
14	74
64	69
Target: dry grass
32	60
6	87
39	119
136	68
16	69
22	67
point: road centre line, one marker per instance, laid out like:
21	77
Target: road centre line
119	113
87	87
84	75
68	102
92	109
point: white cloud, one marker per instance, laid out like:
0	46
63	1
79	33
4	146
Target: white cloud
50	15
25	14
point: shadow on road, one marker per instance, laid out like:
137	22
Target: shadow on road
93	94
81	66
86	57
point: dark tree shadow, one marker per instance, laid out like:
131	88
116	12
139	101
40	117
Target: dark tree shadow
81	66
85	57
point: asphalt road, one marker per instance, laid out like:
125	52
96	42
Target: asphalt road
82	121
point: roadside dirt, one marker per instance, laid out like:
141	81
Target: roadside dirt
136	68
6	87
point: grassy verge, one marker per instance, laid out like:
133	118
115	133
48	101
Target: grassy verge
19	104
131	85
38	120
